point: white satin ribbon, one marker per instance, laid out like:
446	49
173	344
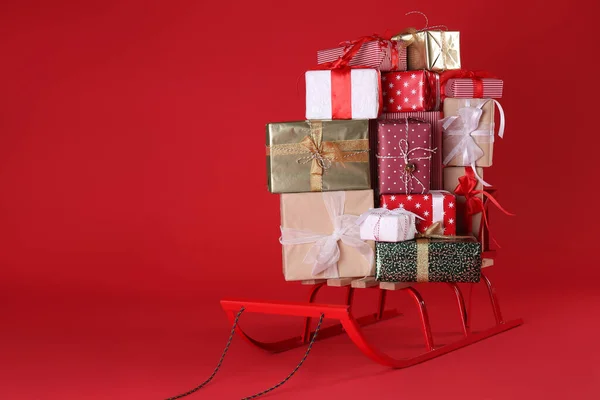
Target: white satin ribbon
325	253
437	200
465	124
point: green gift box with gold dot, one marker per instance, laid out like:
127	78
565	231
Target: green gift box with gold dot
429	260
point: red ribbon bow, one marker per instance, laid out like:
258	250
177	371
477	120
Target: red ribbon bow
466	187
475	76
341	93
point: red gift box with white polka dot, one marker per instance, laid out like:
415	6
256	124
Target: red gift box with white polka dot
410	91
435	206
404	156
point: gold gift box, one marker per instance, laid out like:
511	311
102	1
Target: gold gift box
451	175
486	122
307	211
432	50
315	156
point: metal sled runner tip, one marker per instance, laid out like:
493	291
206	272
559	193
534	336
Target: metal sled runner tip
337	312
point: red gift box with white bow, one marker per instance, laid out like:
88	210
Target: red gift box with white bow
435	206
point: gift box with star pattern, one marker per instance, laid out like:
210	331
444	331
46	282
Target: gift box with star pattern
404	156
435	206
429	260
410	91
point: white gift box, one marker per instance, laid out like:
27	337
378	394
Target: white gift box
383	225
350	94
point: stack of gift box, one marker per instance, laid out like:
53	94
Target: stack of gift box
384	178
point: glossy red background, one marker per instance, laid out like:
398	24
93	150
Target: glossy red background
132	175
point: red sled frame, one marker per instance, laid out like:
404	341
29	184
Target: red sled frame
352	326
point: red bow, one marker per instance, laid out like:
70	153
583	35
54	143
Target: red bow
341	93
352	47
466	187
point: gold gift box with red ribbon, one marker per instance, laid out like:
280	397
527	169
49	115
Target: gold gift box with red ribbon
316	156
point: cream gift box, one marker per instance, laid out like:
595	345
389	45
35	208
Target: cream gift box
320	237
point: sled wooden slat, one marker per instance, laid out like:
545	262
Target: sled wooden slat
487	262
313	281
364	283
339	282
394	285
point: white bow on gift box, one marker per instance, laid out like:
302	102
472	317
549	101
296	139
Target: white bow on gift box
465	124
397	231
325	253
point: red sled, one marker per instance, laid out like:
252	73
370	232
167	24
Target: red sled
351	325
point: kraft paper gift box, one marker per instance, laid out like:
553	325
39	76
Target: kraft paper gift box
385	55
432	50
433	119
320	236
473	118
435	206
307	156
451	175
403	156
429	260
383	225
343	94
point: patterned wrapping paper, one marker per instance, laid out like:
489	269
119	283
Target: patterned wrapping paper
432	50
410	91
451	175
404	156
292	166
308	211
429	260
433	118
371	54
436	206
486	124
343	94
465	88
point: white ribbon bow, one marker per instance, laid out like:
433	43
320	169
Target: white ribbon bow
465	124
325	253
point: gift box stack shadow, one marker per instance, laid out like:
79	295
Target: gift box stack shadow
385	177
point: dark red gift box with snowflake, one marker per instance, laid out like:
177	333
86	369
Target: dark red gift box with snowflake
435	206
404	156
410	91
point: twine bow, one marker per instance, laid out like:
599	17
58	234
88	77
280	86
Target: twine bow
322	154
407	174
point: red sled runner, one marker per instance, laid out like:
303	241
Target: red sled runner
351	325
